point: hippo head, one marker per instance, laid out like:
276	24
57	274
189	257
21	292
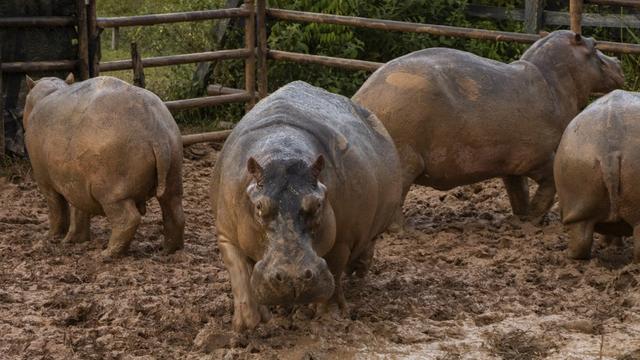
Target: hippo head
289	206
37	90
571	54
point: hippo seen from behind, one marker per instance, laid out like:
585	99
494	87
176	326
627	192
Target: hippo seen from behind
596	168
302	186
457	118
102	146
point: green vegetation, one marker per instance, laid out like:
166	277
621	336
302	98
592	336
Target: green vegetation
178	82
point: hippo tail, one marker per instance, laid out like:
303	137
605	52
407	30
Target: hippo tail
610	167
163	161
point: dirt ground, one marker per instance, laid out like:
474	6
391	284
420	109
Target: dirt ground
464	281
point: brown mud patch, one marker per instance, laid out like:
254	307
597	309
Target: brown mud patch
464	281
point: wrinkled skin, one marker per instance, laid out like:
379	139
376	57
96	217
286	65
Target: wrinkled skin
104	147
457	118
301	188
597	170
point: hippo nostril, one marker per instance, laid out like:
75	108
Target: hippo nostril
279	277
308	274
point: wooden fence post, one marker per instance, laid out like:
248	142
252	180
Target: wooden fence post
250	61
138	68
575	11
261	24
94	39
115	37
83	39
533	12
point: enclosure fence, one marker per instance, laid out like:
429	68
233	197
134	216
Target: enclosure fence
256	52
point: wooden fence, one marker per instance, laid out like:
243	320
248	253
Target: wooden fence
256	52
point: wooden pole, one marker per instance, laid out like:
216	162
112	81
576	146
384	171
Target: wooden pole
533	12
205	137
115	36
83	40
94	39
575	11
2	142
250	61
261	53
138	68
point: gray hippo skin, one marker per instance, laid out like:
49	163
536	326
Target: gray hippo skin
103	146
457	118
596	172
301	188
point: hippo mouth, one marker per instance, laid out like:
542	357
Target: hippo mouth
286	291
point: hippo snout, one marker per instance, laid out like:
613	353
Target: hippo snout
286	282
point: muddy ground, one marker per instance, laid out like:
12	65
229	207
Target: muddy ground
464	281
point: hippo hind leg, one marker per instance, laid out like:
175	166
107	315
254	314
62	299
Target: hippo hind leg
58	213
124	218
518	191
79	229
173	220
545	194
636	244
580	239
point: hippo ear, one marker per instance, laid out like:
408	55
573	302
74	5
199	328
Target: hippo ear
255	169
30	82
70	79
317	166
577	39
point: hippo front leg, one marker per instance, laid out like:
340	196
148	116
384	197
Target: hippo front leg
636	244
545	194
337	260
79	227
518	191
58	213
580	239
247	314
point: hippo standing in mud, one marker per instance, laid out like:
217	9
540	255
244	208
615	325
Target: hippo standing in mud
596	168
301	188
103	146
457	118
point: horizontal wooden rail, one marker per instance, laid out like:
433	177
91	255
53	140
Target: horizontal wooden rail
632	3
154	19
37	21
176	59
554	17
392	25
440	30
213	136
215	89
33	66
324	60
206	101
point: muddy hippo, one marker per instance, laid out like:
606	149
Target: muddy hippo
103	146
596	169
457	118
302	186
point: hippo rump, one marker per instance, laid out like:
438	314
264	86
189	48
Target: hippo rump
596	169
301	188
102	146
457	118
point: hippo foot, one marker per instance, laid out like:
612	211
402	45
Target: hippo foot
109	254
247	317
322	309
578	254
168	250
75	238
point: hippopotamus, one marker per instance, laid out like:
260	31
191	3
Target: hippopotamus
104	147
596	169
302	187
457	118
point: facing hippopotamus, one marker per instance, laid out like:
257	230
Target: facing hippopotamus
103	146
457	118
301	188
596	169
